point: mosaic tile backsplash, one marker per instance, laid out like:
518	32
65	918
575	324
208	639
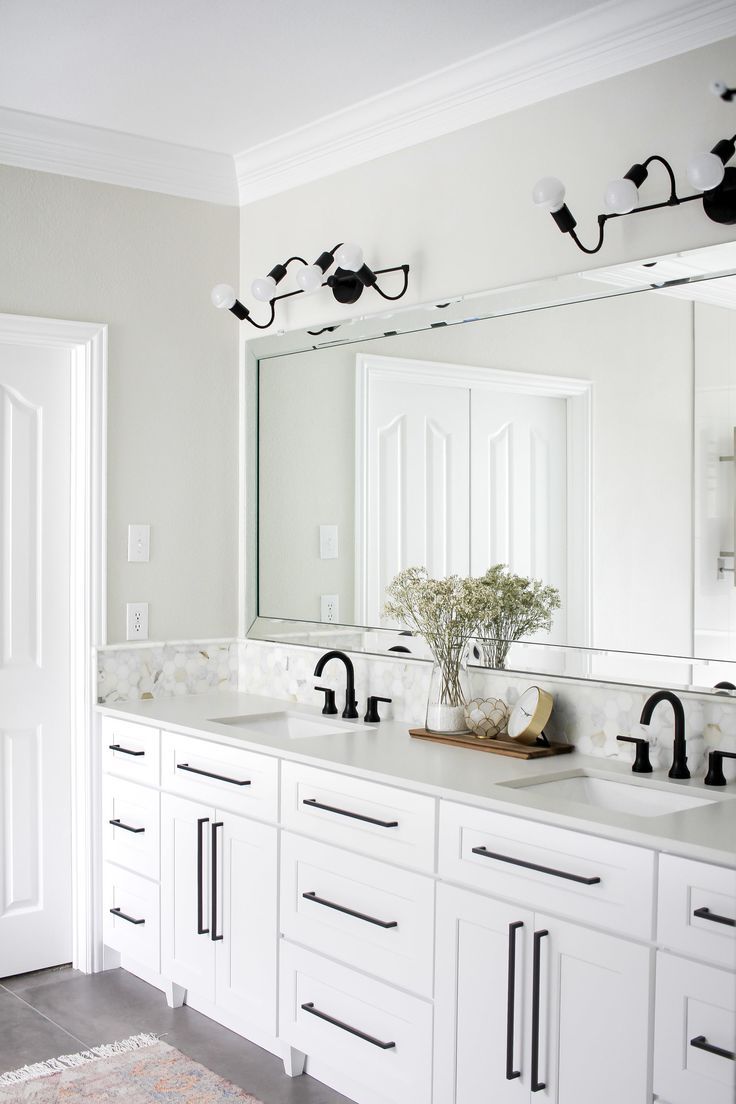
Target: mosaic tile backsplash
588	714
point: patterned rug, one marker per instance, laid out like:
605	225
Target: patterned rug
139	1070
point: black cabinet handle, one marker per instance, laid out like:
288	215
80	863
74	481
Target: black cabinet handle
117	823
309	1007
350	912
201	929
700	1043
706	914
122	916
215	937
486	854
536	970
511	1073
209	774
125	751
314	804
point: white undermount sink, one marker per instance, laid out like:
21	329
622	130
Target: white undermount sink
285	725
607	793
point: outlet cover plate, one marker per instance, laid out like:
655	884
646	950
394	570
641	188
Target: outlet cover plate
136	619
330	608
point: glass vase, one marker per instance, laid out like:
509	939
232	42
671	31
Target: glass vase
449	693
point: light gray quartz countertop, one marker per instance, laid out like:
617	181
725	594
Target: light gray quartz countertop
386	753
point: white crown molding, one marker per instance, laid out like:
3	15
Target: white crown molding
72	149
603	42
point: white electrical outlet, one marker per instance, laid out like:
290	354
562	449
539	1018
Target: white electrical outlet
328	542
136	614
139	543
330	608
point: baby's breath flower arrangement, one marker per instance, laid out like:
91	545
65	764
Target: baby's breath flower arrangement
513	606
445	612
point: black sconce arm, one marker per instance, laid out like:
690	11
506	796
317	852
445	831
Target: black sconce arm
397	268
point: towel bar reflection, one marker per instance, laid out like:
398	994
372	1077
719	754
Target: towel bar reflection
722	569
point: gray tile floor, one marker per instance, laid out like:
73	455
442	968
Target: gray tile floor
62	1011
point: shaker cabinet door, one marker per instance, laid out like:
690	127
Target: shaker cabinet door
593	1021
187	949
482	999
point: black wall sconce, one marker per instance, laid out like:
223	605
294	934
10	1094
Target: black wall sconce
714	183
347	282
718	88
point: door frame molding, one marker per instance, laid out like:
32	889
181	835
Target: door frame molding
579	396
86	345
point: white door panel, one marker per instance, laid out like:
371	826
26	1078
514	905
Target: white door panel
35	814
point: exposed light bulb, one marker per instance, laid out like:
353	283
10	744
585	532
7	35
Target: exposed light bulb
349	256
223	296
705	171
309	278
549	192
263	288
621	196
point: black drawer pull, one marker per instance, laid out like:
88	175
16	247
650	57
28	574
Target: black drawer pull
314	804
346	1027
125	751
209	774
201	929
213	859
350	912
537	1085
126	827
511	1073
122	916
700	1043
535	866
706	914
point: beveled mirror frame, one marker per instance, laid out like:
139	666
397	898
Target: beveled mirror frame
567	289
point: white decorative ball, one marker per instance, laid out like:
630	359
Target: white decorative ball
486	717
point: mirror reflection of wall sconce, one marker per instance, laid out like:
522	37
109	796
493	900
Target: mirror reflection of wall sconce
714	184
347	282
718	88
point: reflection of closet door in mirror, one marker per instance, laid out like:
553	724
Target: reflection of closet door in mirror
518	513
414	467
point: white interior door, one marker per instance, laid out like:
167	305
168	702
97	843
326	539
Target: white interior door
35	812
416	473
518	506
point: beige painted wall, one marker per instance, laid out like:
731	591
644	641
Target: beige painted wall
144	263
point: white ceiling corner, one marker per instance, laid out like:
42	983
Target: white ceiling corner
92	153
603	42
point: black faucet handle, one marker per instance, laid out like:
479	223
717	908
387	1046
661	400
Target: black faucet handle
329	706
371	713
641	762
715	775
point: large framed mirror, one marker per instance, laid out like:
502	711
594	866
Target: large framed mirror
581	431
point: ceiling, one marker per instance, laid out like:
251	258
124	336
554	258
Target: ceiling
234	100
225	75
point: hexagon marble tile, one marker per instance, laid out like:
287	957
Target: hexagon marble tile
588	714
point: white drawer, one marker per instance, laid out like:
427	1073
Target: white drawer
219	775
606	884
378	1051
130	750
133	840
697	910
694	1003
379	820
365	913
131	918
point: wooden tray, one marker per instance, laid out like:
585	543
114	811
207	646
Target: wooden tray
496	747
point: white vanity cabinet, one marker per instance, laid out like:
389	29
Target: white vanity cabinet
219	928
564	1010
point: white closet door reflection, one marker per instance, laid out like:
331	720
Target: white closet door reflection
518	512
415	496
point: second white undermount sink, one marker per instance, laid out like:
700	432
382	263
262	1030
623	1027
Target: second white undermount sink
608	793
285	725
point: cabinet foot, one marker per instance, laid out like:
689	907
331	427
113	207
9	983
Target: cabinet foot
294	1062
110	958
175	994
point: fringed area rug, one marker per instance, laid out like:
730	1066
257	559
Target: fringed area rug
139	1070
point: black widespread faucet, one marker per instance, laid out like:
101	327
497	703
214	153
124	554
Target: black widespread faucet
351	705
679	767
